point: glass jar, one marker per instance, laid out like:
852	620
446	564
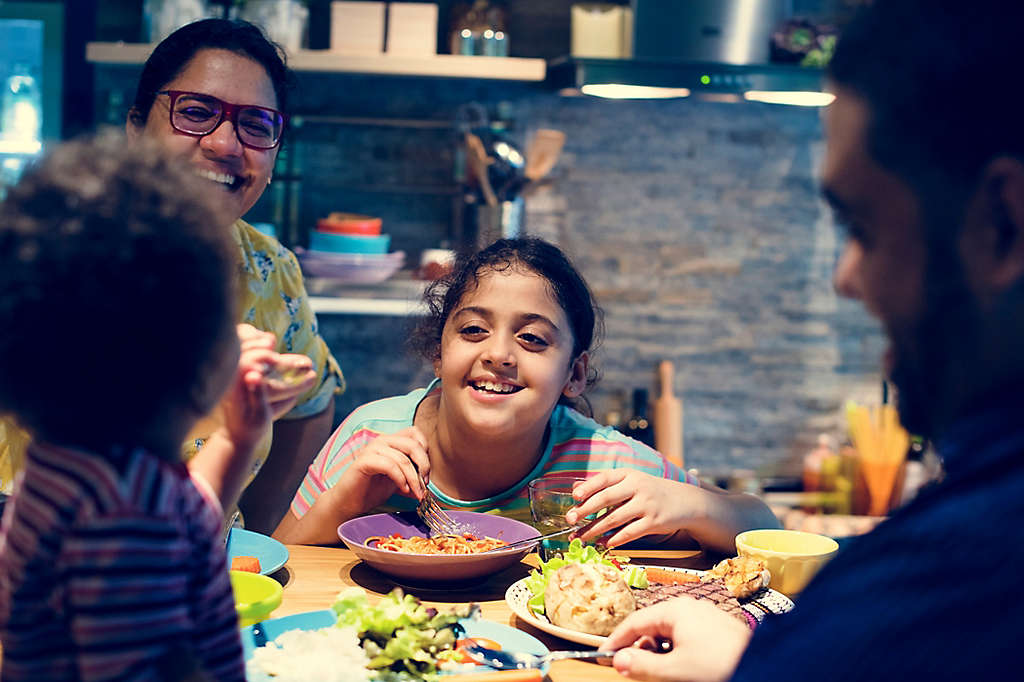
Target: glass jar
284	21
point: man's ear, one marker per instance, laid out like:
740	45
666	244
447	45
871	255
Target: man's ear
577	381
993	239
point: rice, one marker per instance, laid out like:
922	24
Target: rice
331	654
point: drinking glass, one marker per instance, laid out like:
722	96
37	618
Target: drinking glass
550	499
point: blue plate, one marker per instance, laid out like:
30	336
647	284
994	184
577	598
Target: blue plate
508	637
271	553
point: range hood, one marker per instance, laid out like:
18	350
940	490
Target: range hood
717	49
641	78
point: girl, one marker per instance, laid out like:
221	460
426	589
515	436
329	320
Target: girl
509	335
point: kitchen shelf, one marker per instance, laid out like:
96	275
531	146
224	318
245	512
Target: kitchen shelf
440	65
400	296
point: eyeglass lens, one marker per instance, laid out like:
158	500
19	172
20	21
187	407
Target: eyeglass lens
255	126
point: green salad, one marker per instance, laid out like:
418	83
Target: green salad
400	636
578	553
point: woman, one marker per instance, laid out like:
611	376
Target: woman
215	93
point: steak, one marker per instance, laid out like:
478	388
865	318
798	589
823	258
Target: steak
713	591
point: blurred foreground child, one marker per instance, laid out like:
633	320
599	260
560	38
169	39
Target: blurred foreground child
112	564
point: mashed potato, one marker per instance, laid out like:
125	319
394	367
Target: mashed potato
591	598
328	655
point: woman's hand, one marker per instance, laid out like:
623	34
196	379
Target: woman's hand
387	464
707	643
638	505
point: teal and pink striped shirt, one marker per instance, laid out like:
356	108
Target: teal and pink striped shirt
577	446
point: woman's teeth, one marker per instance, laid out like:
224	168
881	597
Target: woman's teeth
223	178
492	387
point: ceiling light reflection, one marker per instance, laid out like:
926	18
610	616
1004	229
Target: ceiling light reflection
796	98
623	91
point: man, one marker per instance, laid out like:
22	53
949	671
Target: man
925	170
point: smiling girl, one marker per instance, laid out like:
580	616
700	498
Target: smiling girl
509	335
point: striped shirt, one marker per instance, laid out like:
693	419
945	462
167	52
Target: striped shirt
576	446
108	564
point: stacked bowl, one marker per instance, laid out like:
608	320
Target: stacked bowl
350	248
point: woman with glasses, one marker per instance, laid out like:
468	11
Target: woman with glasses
215	93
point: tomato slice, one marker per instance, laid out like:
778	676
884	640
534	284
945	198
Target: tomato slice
479	641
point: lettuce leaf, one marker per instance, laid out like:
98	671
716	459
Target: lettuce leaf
398	633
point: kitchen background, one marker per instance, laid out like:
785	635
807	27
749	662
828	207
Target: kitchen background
697	223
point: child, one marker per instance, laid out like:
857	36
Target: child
509	334
112	562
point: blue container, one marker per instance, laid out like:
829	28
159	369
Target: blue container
348	243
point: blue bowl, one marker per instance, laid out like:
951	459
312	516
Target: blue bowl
348	243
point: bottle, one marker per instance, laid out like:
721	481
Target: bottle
915	473
22	107
817	475
638	426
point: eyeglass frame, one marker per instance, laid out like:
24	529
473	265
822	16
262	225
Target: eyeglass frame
229	111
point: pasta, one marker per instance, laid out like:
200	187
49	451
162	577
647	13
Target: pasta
440	544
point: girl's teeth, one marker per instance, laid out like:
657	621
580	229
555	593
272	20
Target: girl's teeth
495	388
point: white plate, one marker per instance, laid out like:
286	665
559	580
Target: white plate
517	597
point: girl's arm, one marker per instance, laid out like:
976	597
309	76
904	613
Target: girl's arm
679	513
387	464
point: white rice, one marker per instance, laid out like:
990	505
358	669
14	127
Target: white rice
331	654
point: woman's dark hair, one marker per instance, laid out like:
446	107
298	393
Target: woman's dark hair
526	254
175	51
116	291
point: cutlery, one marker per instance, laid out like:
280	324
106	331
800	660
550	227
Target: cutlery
433	515
534	539
517	660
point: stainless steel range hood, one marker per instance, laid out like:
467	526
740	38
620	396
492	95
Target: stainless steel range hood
716	49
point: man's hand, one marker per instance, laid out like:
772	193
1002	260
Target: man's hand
706	643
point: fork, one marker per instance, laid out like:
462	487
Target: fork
434	515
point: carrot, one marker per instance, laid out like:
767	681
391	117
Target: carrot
529	675
245	563
660	575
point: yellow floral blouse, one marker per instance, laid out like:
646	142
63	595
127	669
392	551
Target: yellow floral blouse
272	297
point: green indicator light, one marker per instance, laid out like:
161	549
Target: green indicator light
705	80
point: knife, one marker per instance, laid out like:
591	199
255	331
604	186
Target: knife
534	539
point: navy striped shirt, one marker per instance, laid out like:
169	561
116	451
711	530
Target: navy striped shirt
933	593
108	564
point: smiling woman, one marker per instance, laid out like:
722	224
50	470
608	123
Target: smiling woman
215	93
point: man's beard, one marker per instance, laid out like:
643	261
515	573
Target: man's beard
936	358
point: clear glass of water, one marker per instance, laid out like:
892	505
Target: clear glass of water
550	499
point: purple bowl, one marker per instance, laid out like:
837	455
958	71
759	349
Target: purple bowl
436	567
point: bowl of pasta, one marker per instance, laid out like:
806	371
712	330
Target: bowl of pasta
400	545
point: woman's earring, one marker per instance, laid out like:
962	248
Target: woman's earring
269	180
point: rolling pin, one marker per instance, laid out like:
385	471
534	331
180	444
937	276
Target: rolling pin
668	417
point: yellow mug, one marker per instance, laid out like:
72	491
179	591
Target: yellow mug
792	556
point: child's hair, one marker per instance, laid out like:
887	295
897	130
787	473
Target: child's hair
528	254
116	288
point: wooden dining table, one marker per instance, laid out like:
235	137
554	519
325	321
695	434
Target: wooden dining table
313	577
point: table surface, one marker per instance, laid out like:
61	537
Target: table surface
314	575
